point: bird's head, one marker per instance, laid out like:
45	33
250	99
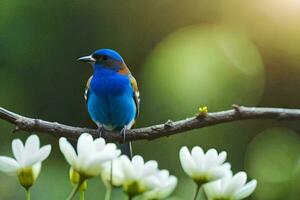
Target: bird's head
106	58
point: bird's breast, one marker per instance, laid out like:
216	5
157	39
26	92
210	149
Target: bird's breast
110	84
111	100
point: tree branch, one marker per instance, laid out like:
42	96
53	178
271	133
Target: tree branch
152	132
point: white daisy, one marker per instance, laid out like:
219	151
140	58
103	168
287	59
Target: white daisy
91	154
230	187
28	160
203	167
165	185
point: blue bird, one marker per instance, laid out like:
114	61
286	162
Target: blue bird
111	94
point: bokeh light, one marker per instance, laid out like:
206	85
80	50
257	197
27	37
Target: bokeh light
273	158
200	65
273	155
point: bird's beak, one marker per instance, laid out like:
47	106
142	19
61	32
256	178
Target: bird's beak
88	59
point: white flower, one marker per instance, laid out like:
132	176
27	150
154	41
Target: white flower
135	177
91	154
27	164
165	185
116	178
203	167
230	187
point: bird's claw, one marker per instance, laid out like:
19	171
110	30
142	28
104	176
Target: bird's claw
100	130
123	132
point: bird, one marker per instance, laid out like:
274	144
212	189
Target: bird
111	94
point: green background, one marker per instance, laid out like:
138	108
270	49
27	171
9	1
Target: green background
184	54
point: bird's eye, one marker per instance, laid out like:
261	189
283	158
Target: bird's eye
97	57
100	57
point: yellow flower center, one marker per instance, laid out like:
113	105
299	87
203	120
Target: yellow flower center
75	177
133	188
26	177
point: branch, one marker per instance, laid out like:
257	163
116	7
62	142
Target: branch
152	132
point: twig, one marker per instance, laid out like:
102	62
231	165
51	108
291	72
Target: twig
152	132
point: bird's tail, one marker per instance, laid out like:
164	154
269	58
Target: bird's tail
126	149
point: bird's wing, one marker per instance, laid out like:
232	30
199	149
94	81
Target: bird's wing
136	94
87	89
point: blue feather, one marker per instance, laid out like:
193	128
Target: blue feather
111	102
110	53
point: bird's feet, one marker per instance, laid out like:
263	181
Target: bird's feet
123	133
100	130
126	146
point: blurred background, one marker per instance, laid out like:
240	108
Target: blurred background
184	54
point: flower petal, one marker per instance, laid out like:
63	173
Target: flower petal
127	168
163	174
99	144
236	182
163	189
44	152
211	158
186	161
18	149
197	152
117	174
218	172
150	182
108	149
9	165
150	168
137	162
213	189
222	157
98	160
167	190
198	156
67	149
85	147
38	156
32	144
36	169
246	190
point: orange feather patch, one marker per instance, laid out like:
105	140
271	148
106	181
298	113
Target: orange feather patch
124	69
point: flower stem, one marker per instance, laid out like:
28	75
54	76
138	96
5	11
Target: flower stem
111	173
28	194
81	195
204	194
198	186
108	193
109	188
75	189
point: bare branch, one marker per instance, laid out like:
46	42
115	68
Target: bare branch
152	132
